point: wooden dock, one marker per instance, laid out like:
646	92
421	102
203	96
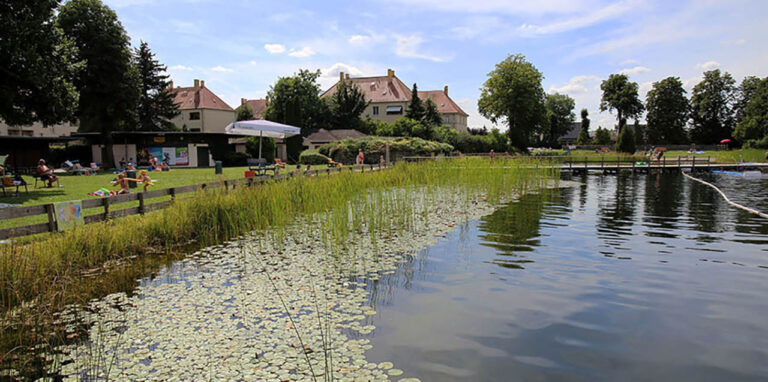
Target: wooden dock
674	164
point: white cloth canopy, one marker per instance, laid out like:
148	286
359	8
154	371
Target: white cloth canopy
262	128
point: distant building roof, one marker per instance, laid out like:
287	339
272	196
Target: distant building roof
445	104
257	106
573	134
387	88
326	136
198	97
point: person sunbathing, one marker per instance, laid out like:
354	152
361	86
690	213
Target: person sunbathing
45	173
122	181
144	178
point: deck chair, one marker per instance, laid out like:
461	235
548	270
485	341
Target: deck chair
8	182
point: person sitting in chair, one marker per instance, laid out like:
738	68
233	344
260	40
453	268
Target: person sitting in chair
46	173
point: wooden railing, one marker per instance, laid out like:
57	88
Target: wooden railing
592	163
142	197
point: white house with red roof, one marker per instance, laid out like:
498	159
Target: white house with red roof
201	110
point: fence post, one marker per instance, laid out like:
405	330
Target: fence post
678	161
106	208
172	192
50	209
693	165
140	195
226	186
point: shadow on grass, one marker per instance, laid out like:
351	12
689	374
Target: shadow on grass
34	194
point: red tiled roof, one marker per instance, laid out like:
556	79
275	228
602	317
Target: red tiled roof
378	89
201	98
257	107
445	104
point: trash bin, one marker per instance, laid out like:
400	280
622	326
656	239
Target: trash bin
218	167
131	175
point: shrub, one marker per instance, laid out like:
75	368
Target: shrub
345	150
757	143
267	148
312	157
234	158
625	143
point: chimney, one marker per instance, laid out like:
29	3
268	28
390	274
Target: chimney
170	85
242	101
341	76
390	74
197	84
202	83
445	90
346	76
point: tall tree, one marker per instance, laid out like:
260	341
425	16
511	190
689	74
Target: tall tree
38	65
243	113
712	103
156	106
754	124
432	115
584	132
747	88
625	142
668	111
513	94
346	106
621	95
109	86
559	117
602	137
415	109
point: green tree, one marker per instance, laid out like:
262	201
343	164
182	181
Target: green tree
244	113
38	65
156	103
584	132
432	116
712	103
602	137
639	133
415	109
346	105
625	142
559	116
754	124
621	95
668	111
513	94
267	148
294	101
747	88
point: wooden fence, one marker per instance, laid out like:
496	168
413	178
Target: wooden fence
143	198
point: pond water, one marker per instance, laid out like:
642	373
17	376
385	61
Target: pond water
646	277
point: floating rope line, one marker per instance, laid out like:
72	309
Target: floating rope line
737	205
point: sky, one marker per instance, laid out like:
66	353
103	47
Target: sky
241	47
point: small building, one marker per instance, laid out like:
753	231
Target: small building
323	136
25	151
572	135
37	129
201	111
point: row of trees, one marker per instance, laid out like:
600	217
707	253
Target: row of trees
74	62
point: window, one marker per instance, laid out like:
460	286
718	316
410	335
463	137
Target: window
394	110
375	110
194	116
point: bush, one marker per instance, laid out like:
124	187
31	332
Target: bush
267	148
757	143
373	147
312	157
625	143
234	158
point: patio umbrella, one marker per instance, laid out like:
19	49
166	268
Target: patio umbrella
725	141
262	128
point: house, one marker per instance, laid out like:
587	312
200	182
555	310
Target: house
572	135
37	129
324	136
258	106
201	111
389	97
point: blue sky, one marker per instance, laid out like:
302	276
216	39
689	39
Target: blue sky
241	47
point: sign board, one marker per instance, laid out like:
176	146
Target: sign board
159	139
68	214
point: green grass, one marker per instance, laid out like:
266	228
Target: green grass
730	156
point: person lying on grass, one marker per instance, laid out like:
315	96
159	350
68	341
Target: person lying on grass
144	178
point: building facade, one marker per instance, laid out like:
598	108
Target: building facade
38	130
200	110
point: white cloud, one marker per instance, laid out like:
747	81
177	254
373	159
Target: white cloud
304	52
709	65
635	70
581	21
359	39
630	61
274	48
180	67
578	84
735	42
221	69
410	47
334	70
536	7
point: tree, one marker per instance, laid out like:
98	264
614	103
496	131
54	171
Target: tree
747	88
639	133
513	94
754	125
156	102
346	106
432	116
668	111
38	65
584	132
602	137
625	142
109	85
559	117
267	148
712	104
621	95
415	109
294	101
244	113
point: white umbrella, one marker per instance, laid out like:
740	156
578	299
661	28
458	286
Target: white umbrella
262	128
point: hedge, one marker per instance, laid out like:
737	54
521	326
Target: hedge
345	150
312	157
